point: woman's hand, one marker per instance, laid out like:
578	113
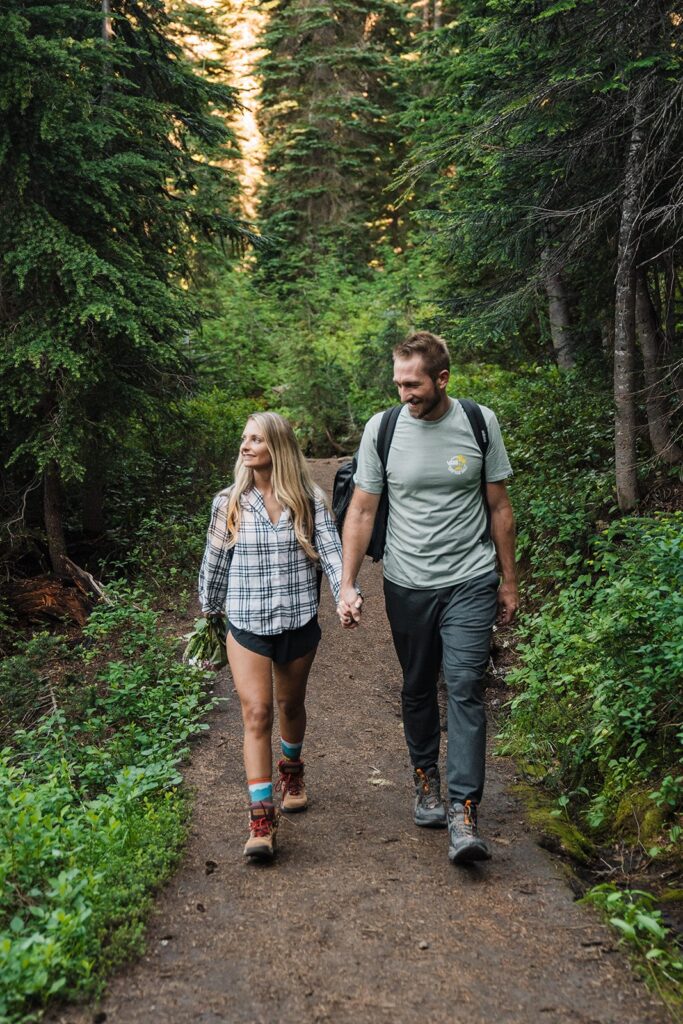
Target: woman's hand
349	607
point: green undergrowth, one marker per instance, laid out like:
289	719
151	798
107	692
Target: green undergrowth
596	722
655	951
598	707
91	813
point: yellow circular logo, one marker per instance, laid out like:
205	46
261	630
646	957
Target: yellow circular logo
457	465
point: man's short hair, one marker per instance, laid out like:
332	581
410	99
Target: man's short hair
432	349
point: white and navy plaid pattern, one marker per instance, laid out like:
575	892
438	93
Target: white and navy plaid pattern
266	583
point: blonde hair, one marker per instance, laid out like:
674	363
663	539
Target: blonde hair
293	486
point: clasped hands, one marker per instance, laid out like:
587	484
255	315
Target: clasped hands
349	607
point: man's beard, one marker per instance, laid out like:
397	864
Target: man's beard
425	405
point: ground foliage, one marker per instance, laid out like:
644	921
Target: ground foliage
90	812
599	710
638	921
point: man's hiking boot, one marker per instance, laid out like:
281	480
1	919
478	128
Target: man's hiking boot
262	828
293	787
430	811
465	845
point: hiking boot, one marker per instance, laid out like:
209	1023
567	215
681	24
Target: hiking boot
465	845
429	807
262	828
293	787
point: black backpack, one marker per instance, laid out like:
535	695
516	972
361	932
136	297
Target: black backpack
344	485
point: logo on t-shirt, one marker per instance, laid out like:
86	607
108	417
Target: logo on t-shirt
457	465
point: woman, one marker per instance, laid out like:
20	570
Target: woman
269	534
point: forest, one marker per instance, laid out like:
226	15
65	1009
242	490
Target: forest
213	207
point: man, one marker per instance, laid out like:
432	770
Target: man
441	586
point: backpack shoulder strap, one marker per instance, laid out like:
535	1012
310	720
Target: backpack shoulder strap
385	434
478	424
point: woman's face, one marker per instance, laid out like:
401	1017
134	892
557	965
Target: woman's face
253	448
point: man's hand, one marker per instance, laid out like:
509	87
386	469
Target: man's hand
349	607
508	603
358	524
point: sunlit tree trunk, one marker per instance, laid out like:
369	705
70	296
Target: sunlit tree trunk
437	14
625	320
107	37
431	14
107	30
647	330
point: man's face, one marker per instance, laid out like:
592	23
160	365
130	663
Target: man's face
416	389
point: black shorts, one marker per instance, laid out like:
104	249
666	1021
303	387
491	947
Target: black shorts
280	647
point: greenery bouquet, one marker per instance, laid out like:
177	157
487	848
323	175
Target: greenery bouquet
206	643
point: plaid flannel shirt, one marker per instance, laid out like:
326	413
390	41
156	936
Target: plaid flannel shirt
266	583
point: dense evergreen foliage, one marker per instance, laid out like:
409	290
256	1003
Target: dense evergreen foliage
331	89
106	182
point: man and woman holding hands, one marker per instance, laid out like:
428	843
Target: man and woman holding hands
449	572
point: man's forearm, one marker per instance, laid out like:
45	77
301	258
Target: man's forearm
503	536
355	539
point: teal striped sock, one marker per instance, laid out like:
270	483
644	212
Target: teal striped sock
292	751
260	790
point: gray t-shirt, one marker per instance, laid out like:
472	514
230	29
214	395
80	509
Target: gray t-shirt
436	512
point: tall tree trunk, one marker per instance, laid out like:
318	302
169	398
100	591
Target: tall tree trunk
625	319
52	513
107	36
107	29
647	331
560	323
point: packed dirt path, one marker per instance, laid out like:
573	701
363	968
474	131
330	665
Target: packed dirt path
362	919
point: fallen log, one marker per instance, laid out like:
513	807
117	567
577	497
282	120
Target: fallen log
48	597
71	596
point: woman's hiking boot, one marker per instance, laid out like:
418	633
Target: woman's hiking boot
292	785
465	845
430	811
262	828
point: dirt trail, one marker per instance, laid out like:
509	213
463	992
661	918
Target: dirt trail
362	918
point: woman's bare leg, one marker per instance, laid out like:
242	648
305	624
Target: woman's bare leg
252	674
290	690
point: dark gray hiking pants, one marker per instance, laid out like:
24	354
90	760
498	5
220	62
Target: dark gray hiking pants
452	626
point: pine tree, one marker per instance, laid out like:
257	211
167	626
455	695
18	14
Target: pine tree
106	184
331	87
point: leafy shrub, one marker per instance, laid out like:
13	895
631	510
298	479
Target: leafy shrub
90	812
658	953
599	706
